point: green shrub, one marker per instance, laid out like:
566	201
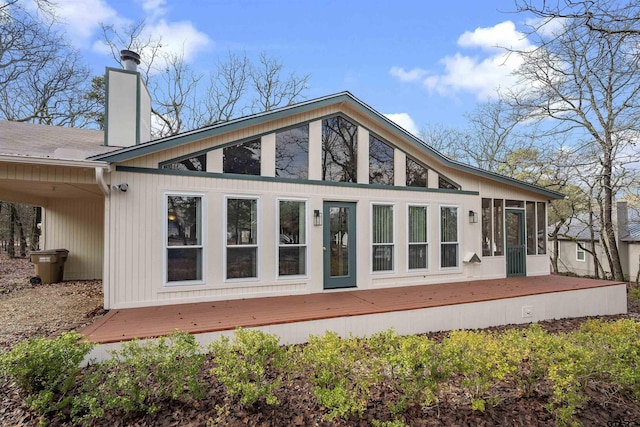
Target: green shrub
342	373
481	359
616	350
414	367
140	375
242	365
46	369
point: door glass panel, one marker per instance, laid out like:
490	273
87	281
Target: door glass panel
514	227
339	233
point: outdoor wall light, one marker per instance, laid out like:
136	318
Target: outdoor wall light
473	217
317	218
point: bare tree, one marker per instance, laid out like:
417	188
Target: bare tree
585	81
41	75
271	88
183	99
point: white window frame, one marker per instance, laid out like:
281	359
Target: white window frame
224	238
165	236
305	245
428	213
579	251
393	243
457	242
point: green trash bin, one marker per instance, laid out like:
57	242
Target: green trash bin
49	264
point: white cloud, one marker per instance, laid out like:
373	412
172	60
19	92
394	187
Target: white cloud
407	76
404	120
180	38
82	18
498	37
489	68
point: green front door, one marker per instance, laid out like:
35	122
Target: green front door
339	245
516	244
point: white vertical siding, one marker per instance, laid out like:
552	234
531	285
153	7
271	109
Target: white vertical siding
76	225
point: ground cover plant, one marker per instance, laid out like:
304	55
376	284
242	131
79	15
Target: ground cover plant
383	380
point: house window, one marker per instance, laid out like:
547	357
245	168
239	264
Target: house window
449	236
243	158
498	227
196	163
487	221
416	174
418	238
380	162
382	237
339	150
542	228
446	184
292	153
580	253
184	238
242	238
292	243
530	213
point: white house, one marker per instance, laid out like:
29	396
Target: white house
577	241
320	196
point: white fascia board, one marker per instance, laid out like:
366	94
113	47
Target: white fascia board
54	162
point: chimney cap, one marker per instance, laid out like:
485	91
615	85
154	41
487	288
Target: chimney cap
129	55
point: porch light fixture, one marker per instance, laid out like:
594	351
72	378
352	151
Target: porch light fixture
317	218
473	217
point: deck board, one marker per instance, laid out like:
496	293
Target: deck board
147	322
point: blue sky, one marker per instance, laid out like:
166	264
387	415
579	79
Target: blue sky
420	62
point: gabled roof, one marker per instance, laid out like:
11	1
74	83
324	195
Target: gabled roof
578	229
346	97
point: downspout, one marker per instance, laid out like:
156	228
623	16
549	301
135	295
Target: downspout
104	187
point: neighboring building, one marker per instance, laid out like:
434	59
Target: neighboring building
319	196
576	242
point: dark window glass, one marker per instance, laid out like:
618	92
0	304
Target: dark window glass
292	153
196	163
416	174
242	238
339	150
530	212
446	184
498	227
292	251
514	203
487	220
242	158
542	228
184	238
380	162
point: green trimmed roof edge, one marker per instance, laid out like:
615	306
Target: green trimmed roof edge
260	118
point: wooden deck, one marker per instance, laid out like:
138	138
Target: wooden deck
201	318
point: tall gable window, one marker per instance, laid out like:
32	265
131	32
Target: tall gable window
243	158
446	184
380	162
242	238
292	153
184	238
416	174
196	163
339	150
